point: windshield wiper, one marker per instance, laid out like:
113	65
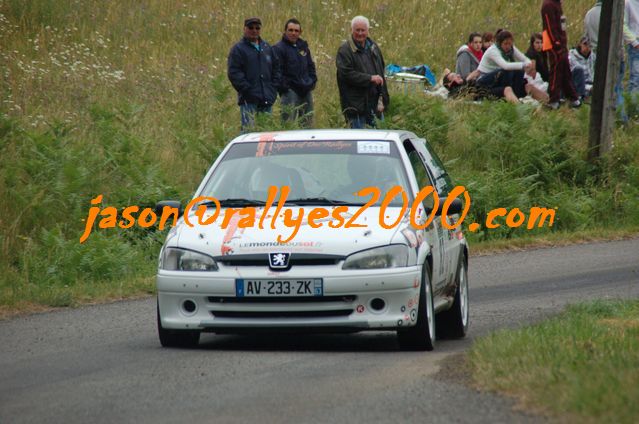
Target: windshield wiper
239	202
317	201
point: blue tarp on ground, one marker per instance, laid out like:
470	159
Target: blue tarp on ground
422	70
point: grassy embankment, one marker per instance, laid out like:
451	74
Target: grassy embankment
582	366
130	100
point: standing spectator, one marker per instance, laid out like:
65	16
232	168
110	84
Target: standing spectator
591	29
298	75
469	55
555	46
582	66
254	72
486	41
503	65
360	77
591	25
631	36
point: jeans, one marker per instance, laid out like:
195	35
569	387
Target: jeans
296	107
579	80
633	81
248	112
359	122
620	104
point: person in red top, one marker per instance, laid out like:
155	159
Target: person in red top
555	46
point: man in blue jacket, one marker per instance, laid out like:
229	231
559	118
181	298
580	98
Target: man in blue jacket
298	75
254	72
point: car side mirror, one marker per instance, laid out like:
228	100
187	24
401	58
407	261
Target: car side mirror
159	207
456	206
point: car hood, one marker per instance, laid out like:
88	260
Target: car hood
214	240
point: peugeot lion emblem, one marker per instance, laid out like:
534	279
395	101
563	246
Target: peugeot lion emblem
278	260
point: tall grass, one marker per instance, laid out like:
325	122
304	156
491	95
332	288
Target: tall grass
131	100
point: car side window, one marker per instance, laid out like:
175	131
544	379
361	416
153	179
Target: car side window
423	179
442	182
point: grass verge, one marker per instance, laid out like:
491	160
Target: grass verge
133	103
549	240
581	366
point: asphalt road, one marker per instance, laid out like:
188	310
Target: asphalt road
104	363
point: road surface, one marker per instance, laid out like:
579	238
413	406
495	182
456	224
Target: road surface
104	363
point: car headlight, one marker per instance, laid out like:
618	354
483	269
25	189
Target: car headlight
392	256
174	259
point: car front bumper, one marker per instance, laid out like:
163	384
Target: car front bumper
350	300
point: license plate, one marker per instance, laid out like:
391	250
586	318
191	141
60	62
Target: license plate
276	287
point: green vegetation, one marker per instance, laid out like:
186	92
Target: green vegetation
583	364
130	100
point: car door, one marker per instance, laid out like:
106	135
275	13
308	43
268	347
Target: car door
451	239
434	234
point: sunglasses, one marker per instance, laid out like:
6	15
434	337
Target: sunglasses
257	27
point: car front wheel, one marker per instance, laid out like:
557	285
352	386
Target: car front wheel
422	335
454	322
176	338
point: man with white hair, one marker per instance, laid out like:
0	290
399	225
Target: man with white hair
360	77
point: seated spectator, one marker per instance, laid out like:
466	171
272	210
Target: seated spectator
459	87
486	41
534	53
582	66
469	55
503	65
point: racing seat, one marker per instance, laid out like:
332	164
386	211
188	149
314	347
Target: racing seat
274	175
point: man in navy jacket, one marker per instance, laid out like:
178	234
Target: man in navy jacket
254	72
298	75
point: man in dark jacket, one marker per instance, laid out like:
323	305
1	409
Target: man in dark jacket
360	77
555	46
298	75
254	71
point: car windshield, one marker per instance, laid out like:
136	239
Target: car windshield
317	172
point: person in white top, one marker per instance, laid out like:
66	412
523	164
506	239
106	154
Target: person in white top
503	65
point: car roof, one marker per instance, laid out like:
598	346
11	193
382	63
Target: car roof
324	135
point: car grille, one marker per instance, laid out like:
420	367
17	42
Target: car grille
297	259
282	314
282	307
310	299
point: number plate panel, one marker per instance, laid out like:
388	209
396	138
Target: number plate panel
311	287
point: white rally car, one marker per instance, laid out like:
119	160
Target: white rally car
284	234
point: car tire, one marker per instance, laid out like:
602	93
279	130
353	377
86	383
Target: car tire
454	322
176	338
422	335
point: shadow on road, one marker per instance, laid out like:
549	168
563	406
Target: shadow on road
287	342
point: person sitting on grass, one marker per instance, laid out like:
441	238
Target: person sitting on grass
469	55
486	41
503	65
582	66
467	88
534	53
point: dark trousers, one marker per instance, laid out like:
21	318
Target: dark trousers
560	76
502	79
